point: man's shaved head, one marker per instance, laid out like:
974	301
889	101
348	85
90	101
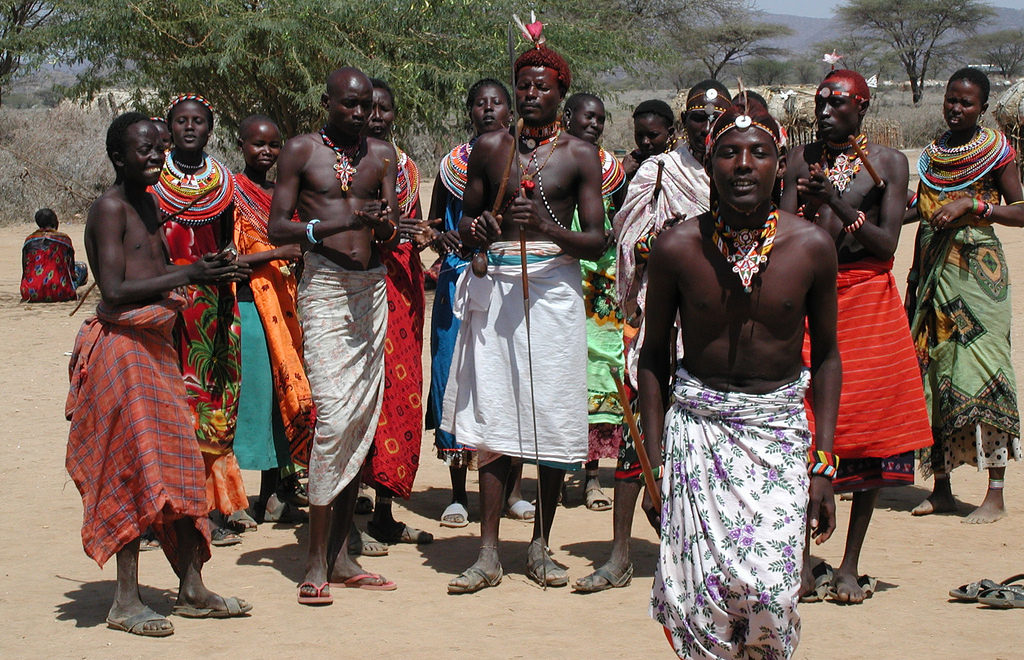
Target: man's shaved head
346	77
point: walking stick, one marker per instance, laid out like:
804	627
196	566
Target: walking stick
479	263
82	299
867	164
641	450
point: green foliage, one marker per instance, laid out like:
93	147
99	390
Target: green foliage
916	30
272	57
765	71
727	35
24	36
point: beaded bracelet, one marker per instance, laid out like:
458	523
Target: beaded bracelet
988	209
856	224
822	464
975	206
309	231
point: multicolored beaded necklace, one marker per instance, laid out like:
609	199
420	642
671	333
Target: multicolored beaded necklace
253	203
535	136
348	159
843	167
612	174
407	183
528	178
954	168
196	197
455	169
746	249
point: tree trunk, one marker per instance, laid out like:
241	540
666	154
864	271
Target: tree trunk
916	89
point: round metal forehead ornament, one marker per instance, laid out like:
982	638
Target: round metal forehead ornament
743	122
711	109
825	92
711	94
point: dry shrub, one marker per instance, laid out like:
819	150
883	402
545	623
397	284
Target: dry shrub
56	158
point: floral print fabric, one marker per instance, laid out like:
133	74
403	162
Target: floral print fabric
732	533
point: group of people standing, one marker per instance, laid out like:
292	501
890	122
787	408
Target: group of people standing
278	326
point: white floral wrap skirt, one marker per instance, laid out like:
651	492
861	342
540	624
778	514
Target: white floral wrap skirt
733	519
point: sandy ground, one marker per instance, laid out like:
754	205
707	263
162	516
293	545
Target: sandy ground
53	599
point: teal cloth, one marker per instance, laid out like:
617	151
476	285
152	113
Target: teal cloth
260	440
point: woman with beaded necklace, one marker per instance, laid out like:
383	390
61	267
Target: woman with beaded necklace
958	298
196	198
391	466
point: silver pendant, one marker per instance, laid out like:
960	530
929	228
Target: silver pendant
530	143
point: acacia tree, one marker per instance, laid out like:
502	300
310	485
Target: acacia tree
22	38
273	57
916	30
728	35
1003	49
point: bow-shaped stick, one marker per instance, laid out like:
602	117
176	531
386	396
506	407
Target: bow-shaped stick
638	442
879	182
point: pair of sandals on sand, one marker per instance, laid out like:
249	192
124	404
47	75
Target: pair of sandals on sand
1003	595
825	585
136	624
457	516
321	594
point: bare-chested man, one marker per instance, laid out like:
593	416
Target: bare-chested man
882	415
345	196
498	386
743	278
127	405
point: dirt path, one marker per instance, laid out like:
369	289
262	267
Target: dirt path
53	599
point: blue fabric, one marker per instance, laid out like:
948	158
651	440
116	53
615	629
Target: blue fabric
444	328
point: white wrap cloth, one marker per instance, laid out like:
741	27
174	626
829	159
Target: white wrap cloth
685	193
344	315
487	402
732	521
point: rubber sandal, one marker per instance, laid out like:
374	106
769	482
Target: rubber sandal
522	510
588	585
476	581
235	607
1004	598
319	598
240	521
596	500
354	583
222	537
823	575
867	584
543	570
135	624
400	533
367	546
455	515
969	593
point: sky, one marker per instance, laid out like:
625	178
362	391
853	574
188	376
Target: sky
824	8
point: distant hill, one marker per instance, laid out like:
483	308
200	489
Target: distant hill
808	31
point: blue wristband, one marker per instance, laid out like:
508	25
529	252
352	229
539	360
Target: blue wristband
309	231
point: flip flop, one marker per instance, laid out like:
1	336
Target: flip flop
367	546
969	593
401	533
319	598
823	575
354	583
588	584
596	499
1005	597
235	607
135	624
522	510
455	515
476	580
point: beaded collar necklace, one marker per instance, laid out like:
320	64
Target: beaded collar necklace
348	159
947	168
746	249
843	167
535	136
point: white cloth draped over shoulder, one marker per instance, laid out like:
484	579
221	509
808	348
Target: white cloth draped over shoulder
487	403
685	193
344	316
732	521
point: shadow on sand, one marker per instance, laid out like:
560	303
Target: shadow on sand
88	603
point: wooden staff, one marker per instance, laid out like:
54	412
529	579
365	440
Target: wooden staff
638	443
657	182
867	163
479	264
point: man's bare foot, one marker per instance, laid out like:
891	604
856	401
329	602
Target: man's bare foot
846	587
486	572
988	512
935	503
138	619
610	576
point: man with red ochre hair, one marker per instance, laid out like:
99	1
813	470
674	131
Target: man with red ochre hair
510	393
882	414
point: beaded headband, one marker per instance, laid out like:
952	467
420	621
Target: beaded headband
189	97
826	92
159	119
705	102
742	123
